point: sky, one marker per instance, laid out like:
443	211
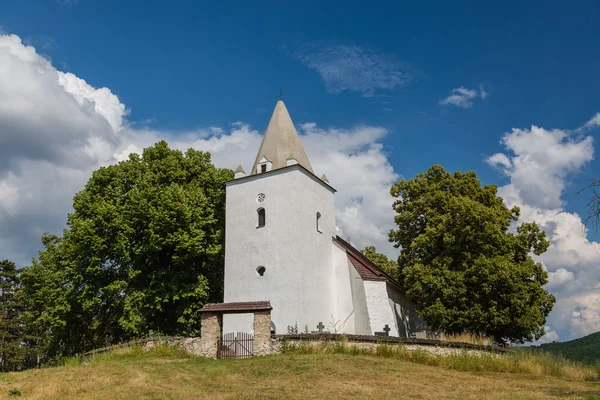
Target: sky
379	91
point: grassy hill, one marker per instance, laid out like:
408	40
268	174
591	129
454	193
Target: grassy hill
166	373
585	349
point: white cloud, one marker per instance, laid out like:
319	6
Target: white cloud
357	69
463	97
56	129
542	160
560	277
594	121
550	336
482	92
539	163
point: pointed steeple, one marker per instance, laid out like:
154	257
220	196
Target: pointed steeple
281	142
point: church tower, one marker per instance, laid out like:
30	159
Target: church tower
280	223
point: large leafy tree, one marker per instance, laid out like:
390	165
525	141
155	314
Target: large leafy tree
55	322
381	260
460	263
12	355
143	250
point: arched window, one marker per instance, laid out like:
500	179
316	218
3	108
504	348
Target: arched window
318	222
261	217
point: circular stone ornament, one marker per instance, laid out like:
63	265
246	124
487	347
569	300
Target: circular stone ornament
260	198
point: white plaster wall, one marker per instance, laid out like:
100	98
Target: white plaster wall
406	319
378	306
300	271
359	302
344	315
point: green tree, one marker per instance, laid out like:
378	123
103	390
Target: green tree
381	260
55	323
143	250
460	263
12	352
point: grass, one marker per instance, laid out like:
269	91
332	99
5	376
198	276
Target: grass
334	372
467	337
521	361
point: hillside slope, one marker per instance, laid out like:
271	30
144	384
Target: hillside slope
167	374
585	349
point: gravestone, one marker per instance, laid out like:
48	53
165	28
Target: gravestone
320	328
386	331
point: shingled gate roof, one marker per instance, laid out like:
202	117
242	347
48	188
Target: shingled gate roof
245	306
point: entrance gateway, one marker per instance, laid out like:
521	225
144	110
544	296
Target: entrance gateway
236	344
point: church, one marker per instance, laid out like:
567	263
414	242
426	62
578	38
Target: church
281	246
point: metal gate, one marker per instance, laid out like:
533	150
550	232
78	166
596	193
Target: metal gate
236	345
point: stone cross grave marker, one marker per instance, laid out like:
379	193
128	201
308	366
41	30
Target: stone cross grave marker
387	330
320	328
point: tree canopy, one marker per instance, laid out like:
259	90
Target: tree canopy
143	250
460	262
11	354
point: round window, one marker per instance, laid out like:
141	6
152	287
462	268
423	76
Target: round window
260	198
260	270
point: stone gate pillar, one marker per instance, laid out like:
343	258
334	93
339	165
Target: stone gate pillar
262	332
209	334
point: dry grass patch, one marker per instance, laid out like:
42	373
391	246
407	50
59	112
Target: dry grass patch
515	361
166	374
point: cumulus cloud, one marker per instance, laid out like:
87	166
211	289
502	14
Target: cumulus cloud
539	163
463	97
56	129
354	68
550	336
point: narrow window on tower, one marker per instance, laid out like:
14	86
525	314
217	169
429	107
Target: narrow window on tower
319	222
261	217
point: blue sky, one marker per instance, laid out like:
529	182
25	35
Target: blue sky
183	65
376	74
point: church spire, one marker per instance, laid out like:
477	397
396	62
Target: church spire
280	143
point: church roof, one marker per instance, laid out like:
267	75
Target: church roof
281	142
366	269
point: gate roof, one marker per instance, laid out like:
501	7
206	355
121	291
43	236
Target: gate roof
239	307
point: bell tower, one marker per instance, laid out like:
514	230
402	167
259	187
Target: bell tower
280	221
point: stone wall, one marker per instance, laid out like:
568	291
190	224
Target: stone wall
372	347
211	333
262	333
266	344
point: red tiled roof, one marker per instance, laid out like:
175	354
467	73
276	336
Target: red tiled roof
246	306
365	267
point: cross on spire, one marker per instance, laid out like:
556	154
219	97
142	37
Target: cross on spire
280	95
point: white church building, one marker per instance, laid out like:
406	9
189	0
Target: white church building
281	246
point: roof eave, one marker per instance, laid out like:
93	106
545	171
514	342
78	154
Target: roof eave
273	171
